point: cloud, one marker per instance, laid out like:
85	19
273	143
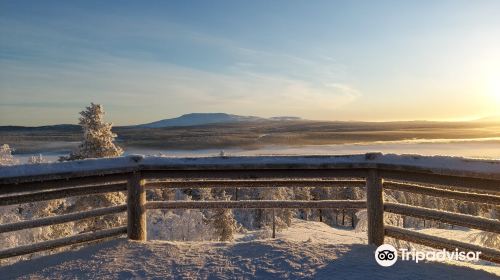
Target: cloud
159	89
138	87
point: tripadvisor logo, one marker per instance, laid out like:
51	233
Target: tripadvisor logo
387	255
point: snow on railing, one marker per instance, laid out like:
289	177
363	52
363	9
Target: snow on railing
433	164
466	179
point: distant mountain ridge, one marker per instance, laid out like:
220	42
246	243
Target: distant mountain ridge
489	119
66	127
210	118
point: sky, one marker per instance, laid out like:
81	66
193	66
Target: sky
322	60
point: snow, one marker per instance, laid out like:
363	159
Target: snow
81	166
305	250
442	163
455	165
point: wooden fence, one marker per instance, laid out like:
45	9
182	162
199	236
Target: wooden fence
453	178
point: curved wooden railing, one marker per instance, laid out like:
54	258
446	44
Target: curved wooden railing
464	179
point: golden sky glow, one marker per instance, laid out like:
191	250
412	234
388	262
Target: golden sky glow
349	60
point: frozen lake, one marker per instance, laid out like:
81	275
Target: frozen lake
488	148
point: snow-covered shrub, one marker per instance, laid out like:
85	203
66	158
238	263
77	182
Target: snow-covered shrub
223	222
178	225
283	217
89	202
337	217
6	157
30	211
303	194
362	218
484	238
36	159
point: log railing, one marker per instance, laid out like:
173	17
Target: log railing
459	179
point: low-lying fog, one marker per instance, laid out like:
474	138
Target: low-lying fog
488	148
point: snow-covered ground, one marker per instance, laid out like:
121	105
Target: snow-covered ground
305	250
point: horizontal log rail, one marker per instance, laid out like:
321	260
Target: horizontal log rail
487	254
48	221
465	183
56	243
245	174
43	184
443	193
63	193
443	216
255	183
258	204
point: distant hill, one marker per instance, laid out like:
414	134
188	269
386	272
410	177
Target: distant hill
490	119
56	127
285	118
209	118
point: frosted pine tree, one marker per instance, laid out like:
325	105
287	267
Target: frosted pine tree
97	143
97	135
223	222
281	218
36	159
320	193
303	193
6	157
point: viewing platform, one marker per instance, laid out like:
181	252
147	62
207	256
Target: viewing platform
454	178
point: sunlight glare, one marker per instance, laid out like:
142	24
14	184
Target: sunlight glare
495	89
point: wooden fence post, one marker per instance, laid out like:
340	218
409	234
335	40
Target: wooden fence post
136	208
375	208
274	223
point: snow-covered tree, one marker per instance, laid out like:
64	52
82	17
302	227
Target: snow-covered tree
97	143
6	157
303	193
89	202
36	159
98	139
178	224
30	211
223	221
278	218
320	193
248	218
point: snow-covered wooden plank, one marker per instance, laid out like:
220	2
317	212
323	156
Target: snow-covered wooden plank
52	244
63	193
488	254
256	183
254	162
259	204
441	165
68	169
239	174
62	218
444	216
452	168
488	183
443	193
